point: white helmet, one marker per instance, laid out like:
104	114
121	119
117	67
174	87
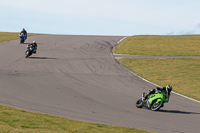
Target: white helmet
34	41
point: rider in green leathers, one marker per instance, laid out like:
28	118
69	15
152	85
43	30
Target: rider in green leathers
167	89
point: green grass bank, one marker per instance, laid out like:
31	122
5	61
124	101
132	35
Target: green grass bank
20	121
182	73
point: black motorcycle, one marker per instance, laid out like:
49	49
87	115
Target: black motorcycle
29	51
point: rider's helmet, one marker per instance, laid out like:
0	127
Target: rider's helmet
169	88
34	42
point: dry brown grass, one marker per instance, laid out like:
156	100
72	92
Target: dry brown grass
5	36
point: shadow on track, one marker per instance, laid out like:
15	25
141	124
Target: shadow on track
41	58
25	43
177	112
31	42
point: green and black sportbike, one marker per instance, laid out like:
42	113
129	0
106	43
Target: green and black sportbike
154	101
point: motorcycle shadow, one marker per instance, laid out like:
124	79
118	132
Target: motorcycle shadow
177	111
24	43
41	58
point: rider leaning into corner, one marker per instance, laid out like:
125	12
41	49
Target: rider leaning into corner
168	89
24	32
34	44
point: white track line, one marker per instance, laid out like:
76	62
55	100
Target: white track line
143	78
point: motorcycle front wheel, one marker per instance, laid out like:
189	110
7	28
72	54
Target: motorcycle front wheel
139	103
27	54
21	41
156	106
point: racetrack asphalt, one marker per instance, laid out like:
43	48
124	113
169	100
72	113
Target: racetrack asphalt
76	77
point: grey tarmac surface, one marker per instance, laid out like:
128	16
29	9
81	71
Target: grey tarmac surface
76	77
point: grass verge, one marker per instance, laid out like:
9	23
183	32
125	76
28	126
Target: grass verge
15	120
177	45
181	73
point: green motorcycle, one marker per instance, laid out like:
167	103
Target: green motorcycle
154	101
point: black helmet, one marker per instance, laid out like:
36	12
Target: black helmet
169	88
